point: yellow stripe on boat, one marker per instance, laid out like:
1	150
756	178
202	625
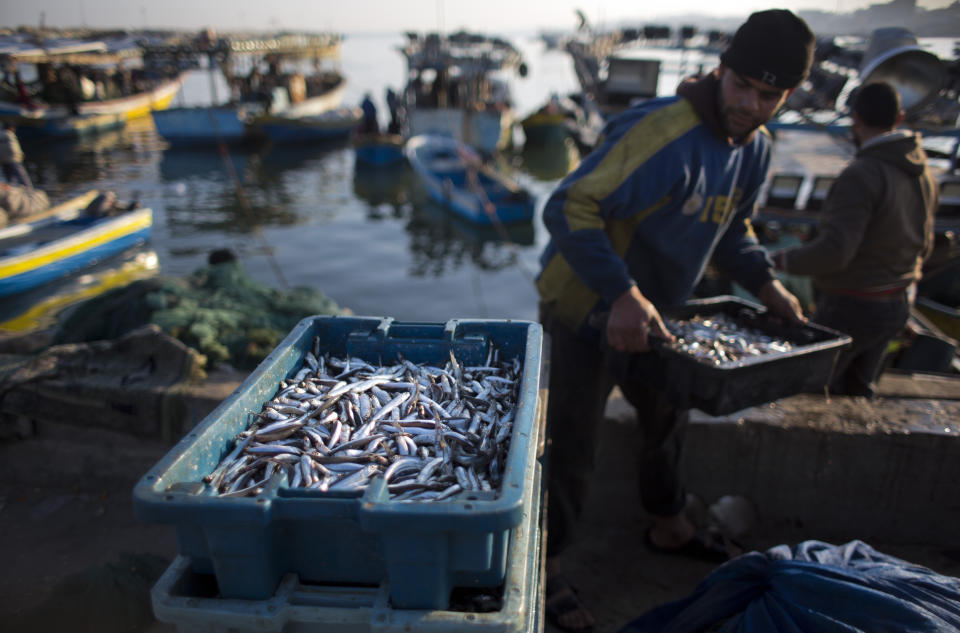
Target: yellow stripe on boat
135	221
46	311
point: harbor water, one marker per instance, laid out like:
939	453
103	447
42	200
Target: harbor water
302	215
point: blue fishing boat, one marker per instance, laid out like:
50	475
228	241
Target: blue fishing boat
455	176
202	125
270	89
64	240
328	126
378	150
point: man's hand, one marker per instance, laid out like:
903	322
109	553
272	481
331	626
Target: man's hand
781	302
632	318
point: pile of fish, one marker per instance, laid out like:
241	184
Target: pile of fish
430	432
719	339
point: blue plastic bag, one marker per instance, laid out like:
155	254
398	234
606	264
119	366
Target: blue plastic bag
814	588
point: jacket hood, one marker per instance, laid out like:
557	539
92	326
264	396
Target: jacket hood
703	94
899	148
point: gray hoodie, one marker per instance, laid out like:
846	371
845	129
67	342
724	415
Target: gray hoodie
876	227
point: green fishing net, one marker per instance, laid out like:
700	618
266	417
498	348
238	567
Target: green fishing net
218	311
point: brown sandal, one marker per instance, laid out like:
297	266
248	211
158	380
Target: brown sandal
556	606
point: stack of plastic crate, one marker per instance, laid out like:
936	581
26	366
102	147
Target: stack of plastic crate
295	560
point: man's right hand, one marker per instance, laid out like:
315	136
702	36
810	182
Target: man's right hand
632	319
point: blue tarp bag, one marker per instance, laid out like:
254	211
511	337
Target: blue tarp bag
813	588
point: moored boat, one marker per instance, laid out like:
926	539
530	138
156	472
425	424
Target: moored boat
454	88
60	119
82	125
327	126
64	240
271	90
191	125
378	150
454	175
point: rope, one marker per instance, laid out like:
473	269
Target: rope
473	181
224	152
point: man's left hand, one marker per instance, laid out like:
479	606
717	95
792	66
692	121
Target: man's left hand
781	301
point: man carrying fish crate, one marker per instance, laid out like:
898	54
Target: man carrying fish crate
875	231
673	184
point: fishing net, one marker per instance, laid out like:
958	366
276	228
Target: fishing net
18	203
218	311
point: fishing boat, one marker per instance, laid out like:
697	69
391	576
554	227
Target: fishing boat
620	68
66	239
328	126
81	87
562	118
57	120
378	150
455	176
84	125
268	86
457	88
202	125
40	307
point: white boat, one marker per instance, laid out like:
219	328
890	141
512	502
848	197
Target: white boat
454	90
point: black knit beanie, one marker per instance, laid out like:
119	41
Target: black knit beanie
774	46
877	104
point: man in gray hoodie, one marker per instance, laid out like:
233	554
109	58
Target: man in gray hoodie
875	231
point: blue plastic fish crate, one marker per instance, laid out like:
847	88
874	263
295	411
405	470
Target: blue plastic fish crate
188	600
423	549
692	382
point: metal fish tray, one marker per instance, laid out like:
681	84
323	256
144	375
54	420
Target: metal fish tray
696	383
422	550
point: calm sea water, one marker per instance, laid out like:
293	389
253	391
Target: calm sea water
372	241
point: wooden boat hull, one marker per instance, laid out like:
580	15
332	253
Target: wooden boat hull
378	150
35	253
475	193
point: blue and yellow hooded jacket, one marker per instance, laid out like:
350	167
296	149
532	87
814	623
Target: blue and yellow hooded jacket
665	191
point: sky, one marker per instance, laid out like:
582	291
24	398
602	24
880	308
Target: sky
357	16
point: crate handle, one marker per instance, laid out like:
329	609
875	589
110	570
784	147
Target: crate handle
419	342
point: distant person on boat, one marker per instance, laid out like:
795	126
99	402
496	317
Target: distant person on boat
393	104
874	233
369	123
11	158
672	186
